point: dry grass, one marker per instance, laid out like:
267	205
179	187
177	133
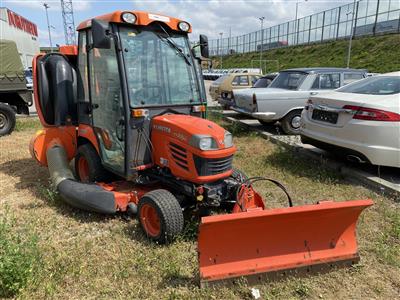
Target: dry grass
90	256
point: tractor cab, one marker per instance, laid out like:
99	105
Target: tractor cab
128	68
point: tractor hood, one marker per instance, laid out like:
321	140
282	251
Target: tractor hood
185	127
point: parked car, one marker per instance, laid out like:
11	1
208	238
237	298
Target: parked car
284	99
221	90
29	78
360	121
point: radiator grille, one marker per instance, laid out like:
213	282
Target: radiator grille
212	166
179	155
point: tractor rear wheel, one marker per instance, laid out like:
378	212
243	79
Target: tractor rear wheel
88	165
160	216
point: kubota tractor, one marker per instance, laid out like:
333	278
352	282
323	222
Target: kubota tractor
128	106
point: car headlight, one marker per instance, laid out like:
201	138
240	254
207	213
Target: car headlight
203	142
228	139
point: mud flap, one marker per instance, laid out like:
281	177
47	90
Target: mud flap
264	244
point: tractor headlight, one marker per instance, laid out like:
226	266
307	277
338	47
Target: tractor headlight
184	26
128	17
203	142
228	139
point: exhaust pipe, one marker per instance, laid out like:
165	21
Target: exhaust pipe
86	196
355	158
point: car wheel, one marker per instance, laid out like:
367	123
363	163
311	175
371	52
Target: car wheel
291	122
7	119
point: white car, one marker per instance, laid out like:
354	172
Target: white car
360	121
284	99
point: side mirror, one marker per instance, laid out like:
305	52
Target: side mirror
101	34
204	46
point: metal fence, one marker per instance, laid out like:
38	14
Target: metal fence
370	17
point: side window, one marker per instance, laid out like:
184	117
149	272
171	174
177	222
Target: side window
254	79
244	80
326	82
83	93
236	80
350	77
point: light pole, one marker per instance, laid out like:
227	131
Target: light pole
220	52
351	34
46	6
295	24
262	39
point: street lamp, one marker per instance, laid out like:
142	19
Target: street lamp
351	34
46	6
262	39
220	52
295	25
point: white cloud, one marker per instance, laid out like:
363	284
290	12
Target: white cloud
212	17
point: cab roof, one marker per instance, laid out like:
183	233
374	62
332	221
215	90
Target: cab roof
143	19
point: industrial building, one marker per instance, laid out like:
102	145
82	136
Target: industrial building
22	31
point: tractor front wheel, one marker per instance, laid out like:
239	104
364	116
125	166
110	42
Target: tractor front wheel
160	216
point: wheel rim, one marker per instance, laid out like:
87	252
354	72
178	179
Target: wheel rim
150	220
296	122
3	120
83	169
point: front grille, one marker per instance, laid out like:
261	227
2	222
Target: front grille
179	155
212	166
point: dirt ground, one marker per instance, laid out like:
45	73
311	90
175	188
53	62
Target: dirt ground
90	256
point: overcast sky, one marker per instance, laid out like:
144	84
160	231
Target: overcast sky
207	17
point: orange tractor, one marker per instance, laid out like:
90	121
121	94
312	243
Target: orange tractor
128	106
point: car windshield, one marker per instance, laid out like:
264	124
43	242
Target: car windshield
159	67
288	80
379	85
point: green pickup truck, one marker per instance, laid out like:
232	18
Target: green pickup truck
15	97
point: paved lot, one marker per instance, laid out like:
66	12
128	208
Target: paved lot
385	179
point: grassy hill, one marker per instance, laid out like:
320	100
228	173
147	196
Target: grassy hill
377	54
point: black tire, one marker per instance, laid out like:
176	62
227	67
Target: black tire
291	122
267	123
7	119
239	175
169	212
96	171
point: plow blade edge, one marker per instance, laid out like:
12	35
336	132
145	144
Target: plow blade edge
266	244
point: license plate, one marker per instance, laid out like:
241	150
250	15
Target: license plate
325	116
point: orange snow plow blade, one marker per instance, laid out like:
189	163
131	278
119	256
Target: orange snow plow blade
265	244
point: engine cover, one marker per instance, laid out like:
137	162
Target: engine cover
173	148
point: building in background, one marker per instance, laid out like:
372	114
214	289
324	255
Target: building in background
22	31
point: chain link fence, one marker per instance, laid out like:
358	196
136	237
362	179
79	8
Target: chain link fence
371	17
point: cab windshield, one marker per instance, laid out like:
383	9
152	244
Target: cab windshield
159	68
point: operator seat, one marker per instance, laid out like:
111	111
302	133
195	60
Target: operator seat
57	85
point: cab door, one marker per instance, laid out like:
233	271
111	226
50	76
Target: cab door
107	107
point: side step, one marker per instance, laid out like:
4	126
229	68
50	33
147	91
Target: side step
272	243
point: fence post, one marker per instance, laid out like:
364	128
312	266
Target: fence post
323	26
376	18
338	22
355	20
309	30
297	31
